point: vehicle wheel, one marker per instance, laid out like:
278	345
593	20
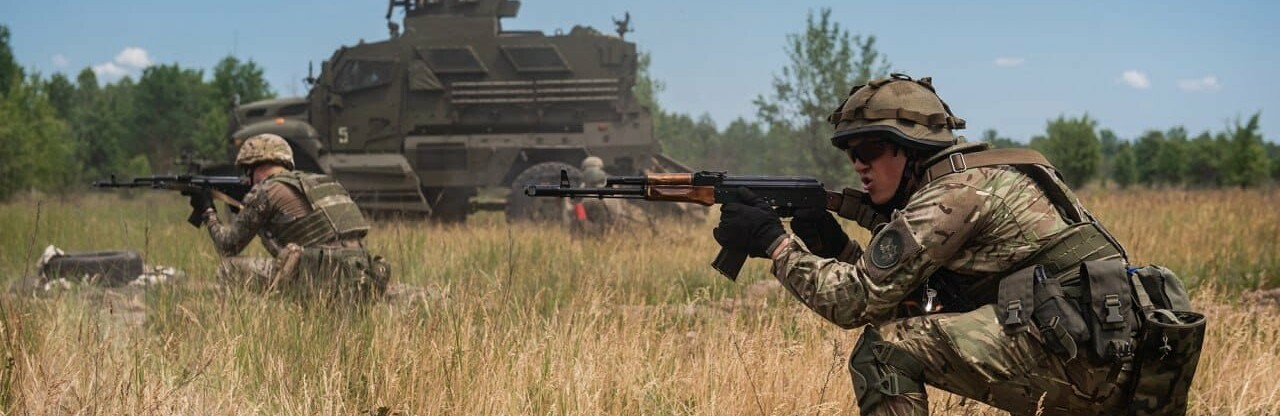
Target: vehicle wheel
449	205
112	268
521	207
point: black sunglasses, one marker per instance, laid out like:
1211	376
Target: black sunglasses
868	150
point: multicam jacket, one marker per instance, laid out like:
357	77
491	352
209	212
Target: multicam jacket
979	222
269	208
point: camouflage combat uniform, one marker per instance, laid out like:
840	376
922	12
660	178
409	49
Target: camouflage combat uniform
977	223
988	279
329	239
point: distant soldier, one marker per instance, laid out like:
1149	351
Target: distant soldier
985	275
592	216
307	221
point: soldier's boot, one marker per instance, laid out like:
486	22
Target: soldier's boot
886	379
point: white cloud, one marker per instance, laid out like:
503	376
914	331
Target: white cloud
134	57
60	61
127	62
1009	62
1136	79
110	70
1208	83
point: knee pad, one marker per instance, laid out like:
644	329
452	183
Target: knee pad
880	370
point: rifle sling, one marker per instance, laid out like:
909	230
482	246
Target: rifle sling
227	199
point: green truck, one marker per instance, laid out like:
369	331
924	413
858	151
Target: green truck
451	113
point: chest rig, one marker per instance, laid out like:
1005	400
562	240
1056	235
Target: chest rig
333	217
1085	239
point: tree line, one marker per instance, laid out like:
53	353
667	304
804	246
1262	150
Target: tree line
59	133
790	133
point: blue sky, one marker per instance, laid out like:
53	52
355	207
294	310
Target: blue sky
1008	65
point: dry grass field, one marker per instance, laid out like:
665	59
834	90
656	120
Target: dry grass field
497	319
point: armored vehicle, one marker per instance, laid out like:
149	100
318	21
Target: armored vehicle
453	105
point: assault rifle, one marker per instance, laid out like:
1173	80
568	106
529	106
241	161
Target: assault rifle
228	189
784	193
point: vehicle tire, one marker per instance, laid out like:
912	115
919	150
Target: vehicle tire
110	268
521	207
449	205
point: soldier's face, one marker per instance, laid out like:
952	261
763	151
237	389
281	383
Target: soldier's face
880	165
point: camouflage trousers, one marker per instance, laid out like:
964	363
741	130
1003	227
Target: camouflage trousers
970	355
246	272
345	271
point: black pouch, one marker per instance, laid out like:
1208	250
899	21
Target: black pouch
1015	301
1109	309
1061	325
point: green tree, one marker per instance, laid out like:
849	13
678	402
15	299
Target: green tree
1204	159
60	92
1247	161
1071	144
992	137
824	62
1171	160
169	105
37	144
233	78
101	118
1124	167
647	88
1144	151
1273	151
10	72
1110	144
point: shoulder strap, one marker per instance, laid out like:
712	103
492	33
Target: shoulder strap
1027	161
960	162
290	178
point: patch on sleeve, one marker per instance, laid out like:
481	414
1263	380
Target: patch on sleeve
891	245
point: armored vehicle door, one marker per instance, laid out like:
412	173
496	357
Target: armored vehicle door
364	103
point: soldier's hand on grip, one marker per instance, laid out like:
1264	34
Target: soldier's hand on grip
749	226
819	231
201	201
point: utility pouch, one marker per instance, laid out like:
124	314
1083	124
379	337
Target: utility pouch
1058	318
1164	288
1015	301
1169	344
1168	354
1109	312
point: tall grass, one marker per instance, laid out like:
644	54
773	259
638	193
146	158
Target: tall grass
495	319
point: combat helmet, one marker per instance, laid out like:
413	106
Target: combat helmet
592	162
265	148
910	111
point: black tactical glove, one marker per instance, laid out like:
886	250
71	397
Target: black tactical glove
201	201
748	227
819	231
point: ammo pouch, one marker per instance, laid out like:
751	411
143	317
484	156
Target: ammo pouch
1030	296
343	271
1109	309
1168	345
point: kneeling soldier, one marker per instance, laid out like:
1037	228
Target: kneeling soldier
307	221
986	277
